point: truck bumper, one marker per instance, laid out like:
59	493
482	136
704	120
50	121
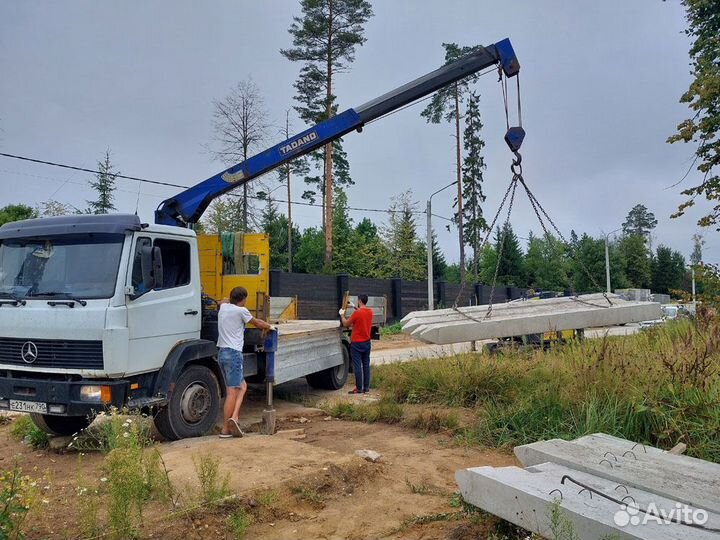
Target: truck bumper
61	397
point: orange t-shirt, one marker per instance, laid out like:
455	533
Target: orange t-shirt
361	320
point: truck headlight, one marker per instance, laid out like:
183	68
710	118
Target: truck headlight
96	393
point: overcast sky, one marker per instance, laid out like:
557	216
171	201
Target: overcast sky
600	89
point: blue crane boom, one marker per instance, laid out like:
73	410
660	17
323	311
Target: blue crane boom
187	207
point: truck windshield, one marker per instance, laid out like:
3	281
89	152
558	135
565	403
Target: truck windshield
79	265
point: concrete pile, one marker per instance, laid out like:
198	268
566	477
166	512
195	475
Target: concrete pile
605	487
457	325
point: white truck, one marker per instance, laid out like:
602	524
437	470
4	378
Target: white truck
99	311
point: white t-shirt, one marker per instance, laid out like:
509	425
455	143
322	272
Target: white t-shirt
231	326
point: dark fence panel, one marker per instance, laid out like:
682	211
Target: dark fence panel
414	297
319	295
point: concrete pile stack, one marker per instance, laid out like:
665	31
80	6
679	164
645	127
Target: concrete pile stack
458	325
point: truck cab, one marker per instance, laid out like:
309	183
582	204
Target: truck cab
99	311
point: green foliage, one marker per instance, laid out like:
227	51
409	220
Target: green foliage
104	185
23	428
310	253
655	387
275	225
212	487
16	499
668	270
442	104
440	265
696	256
324	41
546	264
703	98
225	214
637	258
639	221
510	270
16	212
474	223
408	258
562	528
239	522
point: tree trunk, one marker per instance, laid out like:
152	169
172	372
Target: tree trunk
328	170
459	186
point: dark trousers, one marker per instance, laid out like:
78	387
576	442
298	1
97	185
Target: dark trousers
360	353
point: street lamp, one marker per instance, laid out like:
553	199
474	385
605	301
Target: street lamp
431	299
607	259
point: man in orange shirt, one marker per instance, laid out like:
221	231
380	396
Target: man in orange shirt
360	322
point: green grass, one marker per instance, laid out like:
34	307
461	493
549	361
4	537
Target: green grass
659	387
391	329
23	428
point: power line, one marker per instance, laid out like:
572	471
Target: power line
169	184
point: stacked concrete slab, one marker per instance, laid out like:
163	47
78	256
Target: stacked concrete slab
627	482
457	325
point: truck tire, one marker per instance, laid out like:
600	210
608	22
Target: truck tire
193	406
332	378
60	425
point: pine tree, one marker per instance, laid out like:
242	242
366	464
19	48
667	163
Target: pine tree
473	165
440	265
407	254
104	185
275	225
639	221
324	40
510	270
637	257
445	105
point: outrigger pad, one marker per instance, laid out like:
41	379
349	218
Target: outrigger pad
514	138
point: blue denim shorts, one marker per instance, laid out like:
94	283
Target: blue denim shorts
231	361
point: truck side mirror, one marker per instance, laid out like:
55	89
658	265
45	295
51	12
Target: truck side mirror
152	267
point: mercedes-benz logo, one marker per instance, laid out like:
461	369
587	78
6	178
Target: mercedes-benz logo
29	352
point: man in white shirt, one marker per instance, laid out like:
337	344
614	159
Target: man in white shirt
233	316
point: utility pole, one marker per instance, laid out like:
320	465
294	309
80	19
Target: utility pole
289	195
607	260
428	210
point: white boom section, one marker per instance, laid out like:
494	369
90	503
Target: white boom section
519	318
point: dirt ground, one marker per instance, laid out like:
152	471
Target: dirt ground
308	480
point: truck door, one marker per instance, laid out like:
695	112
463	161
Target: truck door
160	318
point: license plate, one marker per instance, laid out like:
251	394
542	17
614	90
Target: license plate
28	406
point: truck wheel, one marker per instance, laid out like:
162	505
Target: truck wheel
60	425
332	378
193	407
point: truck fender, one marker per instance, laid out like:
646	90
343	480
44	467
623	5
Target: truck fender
198	351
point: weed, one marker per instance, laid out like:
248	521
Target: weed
212	488
562	528
269	498
113	429
16	499
23	428
424	488
391	329
238	523
308	494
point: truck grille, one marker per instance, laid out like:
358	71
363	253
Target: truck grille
52	353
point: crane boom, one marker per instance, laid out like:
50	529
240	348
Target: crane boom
187	207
